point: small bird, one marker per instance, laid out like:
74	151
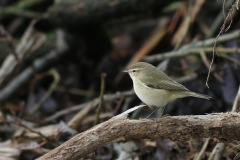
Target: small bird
155	88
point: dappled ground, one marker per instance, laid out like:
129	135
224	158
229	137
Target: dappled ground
62	62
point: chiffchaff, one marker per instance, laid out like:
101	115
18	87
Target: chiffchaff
155	88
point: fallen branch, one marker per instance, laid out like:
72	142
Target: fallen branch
223	126
223	38
181	53
194	47
38	65
30	41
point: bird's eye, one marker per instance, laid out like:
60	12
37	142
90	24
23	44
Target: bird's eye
133	71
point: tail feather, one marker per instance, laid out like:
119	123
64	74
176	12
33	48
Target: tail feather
201	96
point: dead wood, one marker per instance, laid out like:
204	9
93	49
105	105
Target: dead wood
223	126
38	65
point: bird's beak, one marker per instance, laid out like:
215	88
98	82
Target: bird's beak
125	71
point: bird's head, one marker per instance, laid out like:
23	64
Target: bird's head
138	69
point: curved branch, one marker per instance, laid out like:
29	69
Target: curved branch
224	126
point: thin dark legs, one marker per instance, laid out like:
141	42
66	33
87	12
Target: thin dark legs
163	108
162	111
153	112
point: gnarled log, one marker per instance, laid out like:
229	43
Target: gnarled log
223	126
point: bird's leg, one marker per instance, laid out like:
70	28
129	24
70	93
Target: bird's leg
162	110
153	112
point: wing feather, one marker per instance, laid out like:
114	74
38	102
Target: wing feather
169	84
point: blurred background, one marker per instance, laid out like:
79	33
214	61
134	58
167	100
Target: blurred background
62	60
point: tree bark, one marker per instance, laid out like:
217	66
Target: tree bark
223	126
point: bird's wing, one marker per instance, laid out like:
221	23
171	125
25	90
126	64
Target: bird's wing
169	84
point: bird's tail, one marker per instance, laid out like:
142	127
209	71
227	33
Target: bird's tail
200	95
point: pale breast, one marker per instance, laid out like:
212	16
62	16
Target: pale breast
152	97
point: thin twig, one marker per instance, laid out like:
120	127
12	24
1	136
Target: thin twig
181	53
186	24
56	77
219	19
118	106
199	157
206	63
90	119
237	156
75	122
19	123
9	38
186	78
98	111
81	106
223	38
229	58
223	28
75	91
236	104
184	27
